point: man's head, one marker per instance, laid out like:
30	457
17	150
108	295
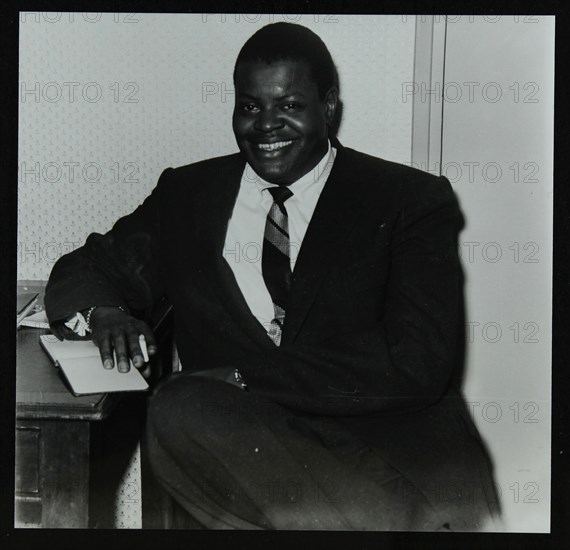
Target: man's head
286	90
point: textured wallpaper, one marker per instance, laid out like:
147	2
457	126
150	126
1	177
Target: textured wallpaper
107	101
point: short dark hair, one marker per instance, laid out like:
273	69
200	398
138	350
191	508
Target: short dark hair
288	41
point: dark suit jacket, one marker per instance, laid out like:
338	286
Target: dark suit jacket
371	329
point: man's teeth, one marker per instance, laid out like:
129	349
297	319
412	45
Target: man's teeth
273	146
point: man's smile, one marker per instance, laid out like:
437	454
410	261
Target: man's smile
274	146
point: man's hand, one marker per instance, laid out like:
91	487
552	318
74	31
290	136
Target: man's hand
113	330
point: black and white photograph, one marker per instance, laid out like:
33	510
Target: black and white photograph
285	272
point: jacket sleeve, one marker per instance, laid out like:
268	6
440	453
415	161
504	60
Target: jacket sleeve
406	358
119	268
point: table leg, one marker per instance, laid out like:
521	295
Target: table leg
54	456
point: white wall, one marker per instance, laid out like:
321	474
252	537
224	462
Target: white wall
507	203
166	97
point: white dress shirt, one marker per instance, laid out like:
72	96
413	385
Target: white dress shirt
244	238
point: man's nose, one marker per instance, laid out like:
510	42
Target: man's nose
268	120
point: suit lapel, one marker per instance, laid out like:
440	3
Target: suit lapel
337	210
214	212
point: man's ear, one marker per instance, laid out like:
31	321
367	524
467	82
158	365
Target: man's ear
331	103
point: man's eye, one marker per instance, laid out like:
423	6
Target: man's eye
250	108
292	107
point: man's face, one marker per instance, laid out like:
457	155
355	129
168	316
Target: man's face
279	121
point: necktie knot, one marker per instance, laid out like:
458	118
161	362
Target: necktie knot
280	194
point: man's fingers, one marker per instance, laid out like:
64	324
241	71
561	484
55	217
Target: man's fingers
121	352
135	349
106	351
122	340
146	371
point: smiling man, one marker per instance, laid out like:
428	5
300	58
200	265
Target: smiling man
280	120
316	295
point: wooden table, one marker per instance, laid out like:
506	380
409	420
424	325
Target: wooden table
53	438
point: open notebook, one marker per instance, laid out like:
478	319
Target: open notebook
81	365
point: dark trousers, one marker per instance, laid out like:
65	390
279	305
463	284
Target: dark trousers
235	460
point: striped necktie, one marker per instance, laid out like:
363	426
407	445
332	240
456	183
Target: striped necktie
275	262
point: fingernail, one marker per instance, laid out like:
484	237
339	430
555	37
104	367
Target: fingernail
108	364
123	367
